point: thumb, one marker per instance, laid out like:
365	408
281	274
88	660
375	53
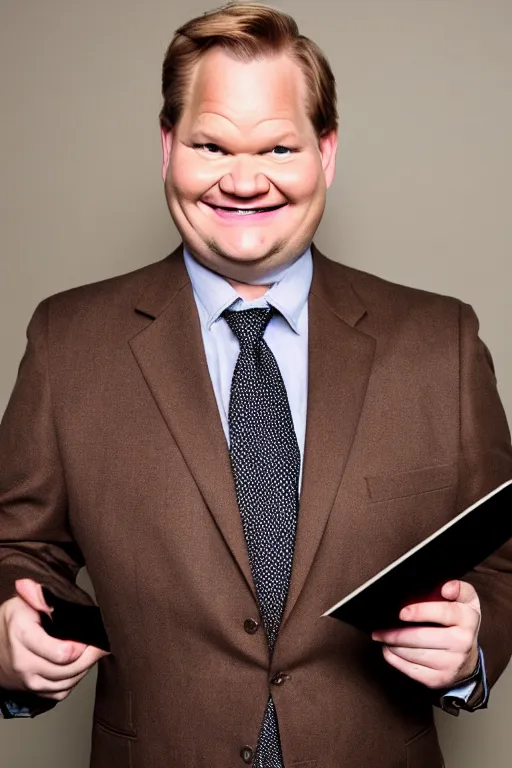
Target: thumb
98	653
461	592
31	592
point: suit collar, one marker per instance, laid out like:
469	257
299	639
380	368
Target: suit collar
332	286
171	277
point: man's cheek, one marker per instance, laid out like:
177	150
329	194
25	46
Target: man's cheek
298	182
191	178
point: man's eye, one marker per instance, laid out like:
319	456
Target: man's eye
282	151
211	149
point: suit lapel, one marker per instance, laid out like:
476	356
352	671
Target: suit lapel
170	354
339	366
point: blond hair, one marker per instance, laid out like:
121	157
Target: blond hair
247	31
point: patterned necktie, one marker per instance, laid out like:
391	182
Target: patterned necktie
265	460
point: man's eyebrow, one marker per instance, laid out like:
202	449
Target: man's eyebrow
285	136
216	137
204	135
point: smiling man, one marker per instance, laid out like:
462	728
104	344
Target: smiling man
232	439
245	170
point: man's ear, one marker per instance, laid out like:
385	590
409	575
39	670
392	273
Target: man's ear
328	146
166	136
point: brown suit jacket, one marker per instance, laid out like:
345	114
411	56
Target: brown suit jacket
112	454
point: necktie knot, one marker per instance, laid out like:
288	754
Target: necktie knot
249	325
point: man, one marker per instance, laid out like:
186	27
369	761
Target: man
165	423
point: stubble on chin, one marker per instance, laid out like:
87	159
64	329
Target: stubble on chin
260	261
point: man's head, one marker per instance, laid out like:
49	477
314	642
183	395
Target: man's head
249	132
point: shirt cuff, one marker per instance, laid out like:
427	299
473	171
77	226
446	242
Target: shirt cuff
462	691
23	704
11	709
470	694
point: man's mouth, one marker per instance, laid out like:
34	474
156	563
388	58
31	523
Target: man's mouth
245	211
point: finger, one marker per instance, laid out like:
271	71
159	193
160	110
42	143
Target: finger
426	657
432	678
31	592
33	637
61	696
55	673
41	686
440	638
445	613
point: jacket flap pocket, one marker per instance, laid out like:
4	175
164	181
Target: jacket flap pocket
382	487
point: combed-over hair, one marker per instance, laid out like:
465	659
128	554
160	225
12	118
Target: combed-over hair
247	31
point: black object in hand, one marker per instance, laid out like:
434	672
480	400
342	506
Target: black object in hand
449	553
72	621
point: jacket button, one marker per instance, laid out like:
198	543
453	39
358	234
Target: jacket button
247	754
251	626
279	678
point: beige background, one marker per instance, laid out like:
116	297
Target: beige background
423	196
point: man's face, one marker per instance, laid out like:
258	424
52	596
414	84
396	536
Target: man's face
245	173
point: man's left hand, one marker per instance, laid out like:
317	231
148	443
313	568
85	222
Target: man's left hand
438	657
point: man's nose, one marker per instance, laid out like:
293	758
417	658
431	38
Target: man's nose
245	179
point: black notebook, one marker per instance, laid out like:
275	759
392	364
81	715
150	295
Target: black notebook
449	553
71	621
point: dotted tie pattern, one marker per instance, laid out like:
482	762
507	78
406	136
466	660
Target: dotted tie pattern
265	460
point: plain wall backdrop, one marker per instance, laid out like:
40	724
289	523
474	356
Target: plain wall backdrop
423	196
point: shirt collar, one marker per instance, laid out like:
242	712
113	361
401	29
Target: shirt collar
288	292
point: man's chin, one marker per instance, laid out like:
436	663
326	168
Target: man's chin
243	261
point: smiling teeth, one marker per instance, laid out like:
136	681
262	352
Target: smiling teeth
247	211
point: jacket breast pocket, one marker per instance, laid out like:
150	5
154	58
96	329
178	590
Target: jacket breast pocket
405	508
411	483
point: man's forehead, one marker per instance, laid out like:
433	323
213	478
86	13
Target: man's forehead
266	93
217	116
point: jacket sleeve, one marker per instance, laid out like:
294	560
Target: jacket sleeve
35	537
485	462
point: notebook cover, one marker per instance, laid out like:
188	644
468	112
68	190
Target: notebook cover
447	554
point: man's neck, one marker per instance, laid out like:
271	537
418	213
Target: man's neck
249	292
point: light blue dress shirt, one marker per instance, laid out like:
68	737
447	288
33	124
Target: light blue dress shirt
286	334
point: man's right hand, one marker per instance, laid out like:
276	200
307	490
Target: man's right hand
31	660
